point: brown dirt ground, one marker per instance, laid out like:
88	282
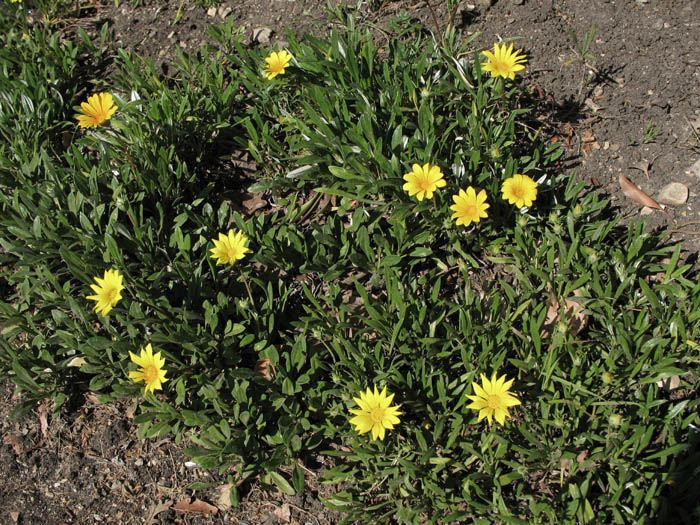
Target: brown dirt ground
87	466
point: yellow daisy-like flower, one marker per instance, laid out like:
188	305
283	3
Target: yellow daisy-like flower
374	413
151	371
99	108
520	190
469	206
493	398
503	62
229	248
108	291
423	181
275	64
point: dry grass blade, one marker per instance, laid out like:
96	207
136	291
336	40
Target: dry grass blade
632	192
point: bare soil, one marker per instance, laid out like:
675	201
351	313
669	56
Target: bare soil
633	108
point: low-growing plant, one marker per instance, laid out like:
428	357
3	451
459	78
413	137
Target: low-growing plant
453	361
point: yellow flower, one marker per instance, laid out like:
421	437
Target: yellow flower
374	413
520	190
423	181
108	291
229	248
503	62
151	371
493	398
469	207
276	63
99	108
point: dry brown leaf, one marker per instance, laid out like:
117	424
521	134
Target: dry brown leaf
632	192
157	509
187	505
265	368
582	456
576	318
643	166
588	136
255	202
223	496
283	513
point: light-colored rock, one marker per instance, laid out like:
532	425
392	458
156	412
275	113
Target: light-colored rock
673	194
646	210
261	35
695	169
211	12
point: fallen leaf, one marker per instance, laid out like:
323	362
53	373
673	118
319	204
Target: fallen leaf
632	192
670	383
255	202
157	509
264	368
582	456
223	496
187	505
642	166
588	136
576	318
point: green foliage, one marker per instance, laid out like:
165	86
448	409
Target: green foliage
351	283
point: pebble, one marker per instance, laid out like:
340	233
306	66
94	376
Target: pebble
673	194
211	11
646	210
695	169
261	35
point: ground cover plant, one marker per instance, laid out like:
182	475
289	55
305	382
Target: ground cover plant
430	301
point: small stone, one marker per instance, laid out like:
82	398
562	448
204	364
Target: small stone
211	12
695	169
224	11
615	147
646	210
658	25
673	194
261	35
